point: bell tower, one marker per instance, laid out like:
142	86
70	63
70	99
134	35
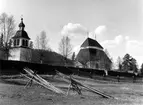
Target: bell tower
20	50
21	38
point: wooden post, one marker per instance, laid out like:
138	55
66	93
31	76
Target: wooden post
29	83
118	78
69	88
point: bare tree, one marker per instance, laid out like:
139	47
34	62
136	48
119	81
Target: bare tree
7	48
41	41
7	29
7	26
65	47
37	42
119	63
1	41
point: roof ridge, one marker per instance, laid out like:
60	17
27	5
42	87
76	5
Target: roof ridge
91	42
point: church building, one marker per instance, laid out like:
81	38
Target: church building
20	50
91	55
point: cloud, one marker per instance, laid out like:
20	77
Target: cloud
135	47
74	29
115	47
77	29
118	40
121	45
100	30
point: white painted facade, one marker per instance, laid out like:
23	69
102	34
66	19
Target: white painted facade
20	45
20	54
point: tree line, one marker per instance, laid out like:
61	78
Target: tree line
128	64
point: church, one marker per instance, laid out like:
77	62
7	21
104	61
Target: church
20	50
91	55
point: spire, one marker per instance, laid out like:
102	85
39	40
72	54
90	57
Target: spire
21	25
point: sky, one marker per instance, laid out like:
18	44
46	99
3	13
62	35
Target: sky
116	24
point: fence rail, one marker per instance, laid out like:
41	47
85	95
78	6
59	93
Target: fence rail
16	67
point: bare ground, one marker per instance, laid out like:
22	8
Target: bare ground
13	92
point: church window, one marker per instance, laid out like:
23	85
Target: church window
14	42
26	43
23	42
17	42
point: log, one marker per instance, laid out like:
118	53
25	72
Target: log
36	81
43	81
68	79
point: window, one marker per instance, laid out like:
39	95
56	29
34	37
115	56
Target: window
17	42
26	44
23	42
14	42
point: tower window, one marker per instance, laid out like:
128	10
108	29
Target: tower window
17	43
26	43
23	42
14	42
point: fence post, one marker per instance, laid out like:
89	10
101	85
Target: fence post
118	78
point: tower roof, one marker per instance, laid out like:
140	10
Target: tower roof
22	25
21	33
91	43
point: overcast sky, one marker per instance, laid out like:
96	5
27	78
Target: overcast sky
116	24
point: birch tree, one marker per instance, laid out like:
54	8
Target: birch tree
7	29
7	26
119	63
41	41
65	47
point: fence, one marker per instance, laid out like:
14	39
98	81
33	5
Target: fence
15	67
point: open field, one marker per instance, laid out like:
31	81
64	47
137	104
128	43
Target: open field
13	92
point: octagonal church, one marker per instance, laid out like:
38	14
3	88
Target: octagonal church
91	55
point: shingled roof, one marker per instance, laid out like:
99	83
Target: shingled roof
21	33
91	43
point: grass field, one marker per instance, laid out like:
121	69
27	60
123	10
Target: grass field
13	92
